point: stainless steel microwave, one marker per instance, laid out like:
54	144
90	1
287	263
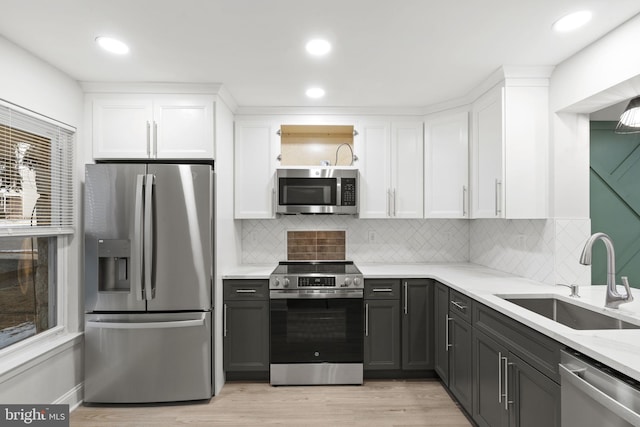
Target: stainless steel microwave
317	190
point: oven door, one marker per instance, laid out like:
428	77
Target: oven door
317	330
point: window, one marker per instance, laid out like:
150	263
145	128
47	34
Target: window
36	208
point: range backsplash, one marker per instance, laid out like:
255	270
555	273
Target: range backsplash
543	250
367	240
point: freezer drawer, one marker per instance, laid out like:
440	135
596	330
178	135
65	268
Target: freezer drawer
147	357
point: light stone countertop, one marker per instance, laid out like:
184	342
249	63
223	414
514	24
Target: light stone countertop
619	349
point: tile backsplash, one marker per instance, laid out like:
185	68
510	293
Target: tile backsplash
366	240
543	250
315	245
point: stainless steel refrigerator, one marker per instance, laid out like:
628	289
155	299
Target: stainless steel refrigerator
148	282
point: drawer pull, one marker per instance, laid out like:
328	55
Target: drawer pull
246	291
459	305
382	290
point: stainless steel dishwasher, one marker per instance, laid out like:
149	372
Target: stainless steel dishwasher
595	395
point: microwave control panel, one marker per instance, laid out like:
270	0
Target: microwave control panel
348	191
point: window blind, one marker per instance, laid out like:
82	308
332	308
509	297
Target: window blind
36	174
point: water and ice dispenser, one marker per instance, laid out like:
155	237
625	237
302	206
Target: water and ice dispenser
113	265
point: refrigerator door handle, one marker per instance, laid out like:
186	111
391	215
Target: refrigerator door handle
147	325
149	229
136	246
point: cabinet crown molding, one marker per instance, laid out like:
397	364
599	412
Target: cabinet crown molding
151	88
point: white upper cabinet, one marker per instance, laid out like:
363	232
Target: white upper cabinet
390	163
486	170
373	148
184	127
446	160
510	140
153	126
407	142
256	148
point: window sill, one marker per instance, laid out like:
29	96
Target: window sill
17	361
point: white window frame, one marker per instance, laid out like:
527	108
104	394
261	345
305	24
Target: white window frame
25	354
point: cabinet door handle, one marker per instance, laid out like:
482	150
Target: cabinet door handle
499	377
366	320
507	402
394	202
506	382
224	320
464	201
246	291
406	305
148	138
446	332
498	201
155	139
389	202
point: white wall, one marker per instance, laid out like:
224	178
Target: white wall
49	371
601	74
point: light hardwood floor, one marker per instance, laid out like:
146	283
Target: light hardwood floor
376	403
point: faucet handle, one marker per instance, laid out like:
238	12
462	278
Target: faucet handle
625	283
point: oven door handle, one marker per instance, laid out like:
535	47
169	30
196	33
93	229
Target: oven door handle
320	294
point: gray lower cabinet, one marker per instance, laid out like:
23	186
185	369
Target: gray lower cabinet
382	325
490	408
453	344
536	398
515	373
246	326
417	324
441	331
461	361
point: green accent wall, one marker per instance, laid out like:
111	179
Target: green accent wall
615	200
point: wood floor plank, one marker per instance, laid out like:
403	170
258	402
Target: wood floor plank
376	403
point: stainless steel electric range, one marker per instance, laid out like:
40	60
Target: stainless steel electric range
317	323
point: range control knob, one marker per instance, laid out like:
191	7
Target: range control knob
286	282
356	281
276	282
347	281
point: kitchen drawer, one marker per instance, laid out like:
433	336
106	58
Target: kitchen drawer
246	290
540	351
460	305
382	289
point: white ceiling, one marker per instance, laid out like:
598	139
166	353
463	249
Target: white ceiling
386	53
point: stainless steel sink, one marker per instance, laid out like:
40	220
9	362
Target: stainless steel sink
571	315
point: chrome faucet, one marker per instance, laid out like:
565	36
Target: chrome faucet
613	299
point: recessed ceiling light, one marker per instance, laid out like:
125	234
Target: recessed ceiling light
572	21
112	45
318	47
315	92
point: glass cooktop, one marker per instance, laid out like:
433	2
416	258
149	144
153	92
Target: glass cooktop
316	267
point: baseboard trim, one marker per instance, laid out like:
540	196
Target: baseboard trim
73	397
